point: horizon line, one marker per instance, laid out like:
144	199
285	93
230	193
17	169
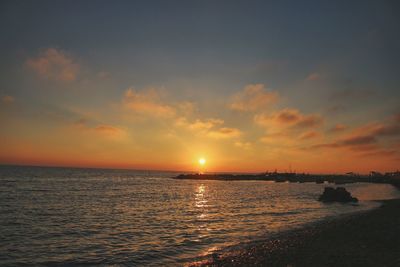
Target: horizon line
179	171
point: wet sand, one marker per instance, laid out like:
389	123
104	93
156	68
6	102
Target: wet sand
367	239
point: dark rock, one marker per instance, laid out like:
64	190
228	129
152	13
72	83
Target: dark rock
340	194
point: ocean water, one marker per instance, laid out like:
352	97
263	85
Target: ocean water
94	217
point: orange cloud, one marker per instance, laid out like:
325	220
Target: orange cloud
313	77
354	142
209	128
55	65
381	153
103	130
397	117
199	125
186	107
367	137
147	102
358	140
338	128
253	97
224	133
109	131
7	99
386	130
309	135
103	75
288	118
244	145
350	94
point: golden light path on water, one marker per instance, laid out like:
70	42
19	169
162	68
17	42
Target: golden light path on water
201	203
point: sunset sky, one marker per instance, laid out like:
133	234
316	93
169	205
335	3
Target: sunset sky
247	85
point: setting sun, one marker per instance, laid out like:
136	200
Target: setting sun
202	161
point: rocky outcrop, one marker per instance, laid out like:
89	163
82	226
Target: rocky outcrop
340	194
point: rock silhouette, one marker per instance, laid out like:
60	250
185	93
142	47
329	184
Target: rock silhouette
340	194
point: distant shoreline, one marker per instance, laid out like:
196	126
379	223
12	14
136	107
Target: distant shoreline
363	239
388	178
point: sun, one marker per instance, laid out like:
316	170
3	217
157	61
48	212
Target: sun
202	161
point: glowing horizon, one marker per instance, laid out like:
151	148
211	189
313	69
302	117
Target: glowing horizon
168	86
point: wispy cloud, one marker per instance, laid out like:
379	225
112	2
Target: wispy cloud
367	138
396	117
147	102
199	125
352	94
349	141
338	128
103	130
358	140
224	133
209	128
313	76
309	135
103	75
253	97
54	64
186	108
381	153
288	118
7	99
110	131
244	145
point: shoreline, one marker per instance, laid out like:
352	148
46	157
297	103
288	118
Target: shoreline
367	238
337	179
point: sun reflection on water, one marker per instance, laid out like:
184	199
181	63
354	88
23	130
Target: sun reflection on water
200	199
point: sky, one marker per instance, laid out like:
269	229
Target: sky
307	86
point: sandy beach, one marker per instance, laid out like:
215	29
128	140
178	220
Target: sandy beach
366	239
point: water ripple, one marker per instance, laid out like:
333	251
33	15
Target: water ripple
75	217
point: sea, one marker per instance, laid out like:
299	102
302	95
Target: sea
101	217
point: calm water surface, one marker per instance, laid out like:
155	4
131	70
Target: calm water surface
71	217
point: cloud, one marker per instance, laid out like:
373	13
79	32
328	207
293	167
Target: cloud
325	145
381	153
337	128
244	145
209	128
358	140
147	102
366	137
109	131
186	108
7	99
309	135
103	75
198	125
335	109
81	122
350	141
364	147
313	76
224	133
352	94
253	97
104	130
396	117
288	118
54	64
386	130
